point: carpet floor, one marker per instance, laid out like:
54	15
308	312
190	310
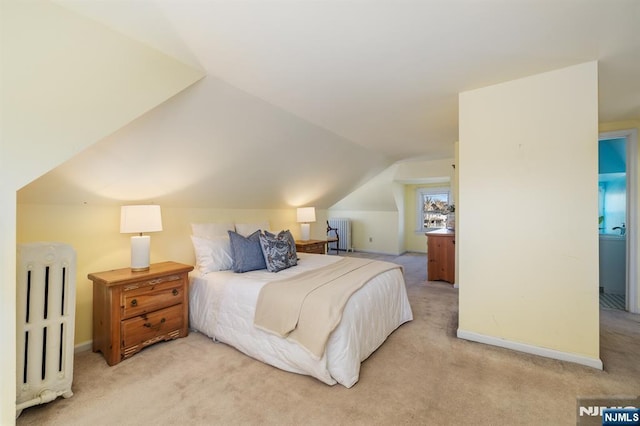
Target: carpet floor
422	375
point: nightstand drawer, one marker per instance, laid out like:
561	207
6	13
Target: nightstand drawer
317	248
146	329
152	295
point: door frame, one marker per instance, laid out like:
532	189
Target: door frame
631	135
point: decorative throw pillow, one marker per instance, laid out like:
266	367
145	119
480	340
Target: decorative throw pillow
286	235
212	254
279	250
247	253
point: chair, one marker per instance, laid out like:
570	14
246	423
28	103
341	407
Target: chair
331	240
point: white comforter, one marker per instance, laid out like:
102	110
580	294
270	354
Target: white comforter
222	306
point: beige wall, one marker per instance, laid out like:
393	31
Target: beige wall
7	297
415	241
414	175
373	210
528	245
68	78
93	231
456	192
372	231
629	125
383	209
59	72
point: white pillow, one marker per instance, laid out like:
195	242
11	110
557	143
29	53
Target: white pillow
211	230
212	254
246	229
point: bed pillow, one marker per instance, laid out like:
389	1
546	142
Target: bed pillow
277	251
246	229
247	253
212	254
287	235
211	230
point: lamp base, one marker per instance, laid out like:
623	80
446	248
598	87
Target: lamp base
140	252
305	231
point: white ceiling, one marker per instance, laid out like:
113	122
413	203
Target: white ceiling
386	74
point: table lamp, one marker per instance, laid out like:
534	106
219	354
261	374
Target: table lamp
305	216
139	219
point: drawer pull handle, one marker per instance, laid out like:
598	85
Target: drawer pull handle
175	292
134	302
148	324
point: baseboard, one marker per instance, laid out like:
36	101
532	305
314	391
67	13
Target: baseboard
530	349
83	347
376	252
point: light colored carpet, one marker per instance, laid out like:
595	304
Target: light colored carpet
421	375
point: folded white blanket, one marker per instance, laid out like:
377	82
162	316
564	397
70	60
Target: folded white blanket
306	308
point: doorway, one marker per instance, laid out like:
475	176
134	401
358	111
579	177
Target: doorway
617	219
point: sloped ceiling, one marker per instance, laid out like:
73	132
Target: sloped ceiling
211	146
67	83
386	74
304	101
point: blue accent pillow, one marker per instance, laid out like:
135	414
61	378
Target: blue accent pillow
247	253
278	251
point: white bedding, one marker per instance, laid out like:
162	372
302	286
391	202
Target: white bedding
222	306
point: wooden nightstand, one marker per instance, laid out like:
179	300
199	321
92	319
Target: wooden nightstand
311	246
132	310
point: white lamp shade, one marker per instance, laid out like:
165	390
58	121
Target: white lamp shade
306	214
139	219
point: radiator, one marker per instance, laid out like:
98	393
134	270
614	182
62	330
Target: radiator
46	300
343	227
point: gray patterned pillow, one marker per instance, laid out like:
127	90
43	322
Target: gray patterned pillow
279	251
292	243
247	254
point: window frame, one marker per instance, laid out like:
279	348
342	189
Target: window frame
420	194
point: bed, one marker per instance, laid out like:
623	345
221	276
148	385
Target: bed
223	304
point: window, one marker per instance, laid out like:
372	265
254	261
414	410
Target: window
432	208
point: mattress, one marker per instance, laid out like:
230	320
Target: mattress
222	306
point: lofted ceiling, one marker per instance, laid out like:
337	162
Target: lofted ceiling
379	78
386	74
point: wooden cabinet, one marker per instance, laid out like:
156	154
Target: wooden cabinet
311	246
441	255
132	310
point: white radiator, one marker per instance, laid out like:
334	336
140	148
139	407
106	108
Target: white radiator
46	305
343	227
